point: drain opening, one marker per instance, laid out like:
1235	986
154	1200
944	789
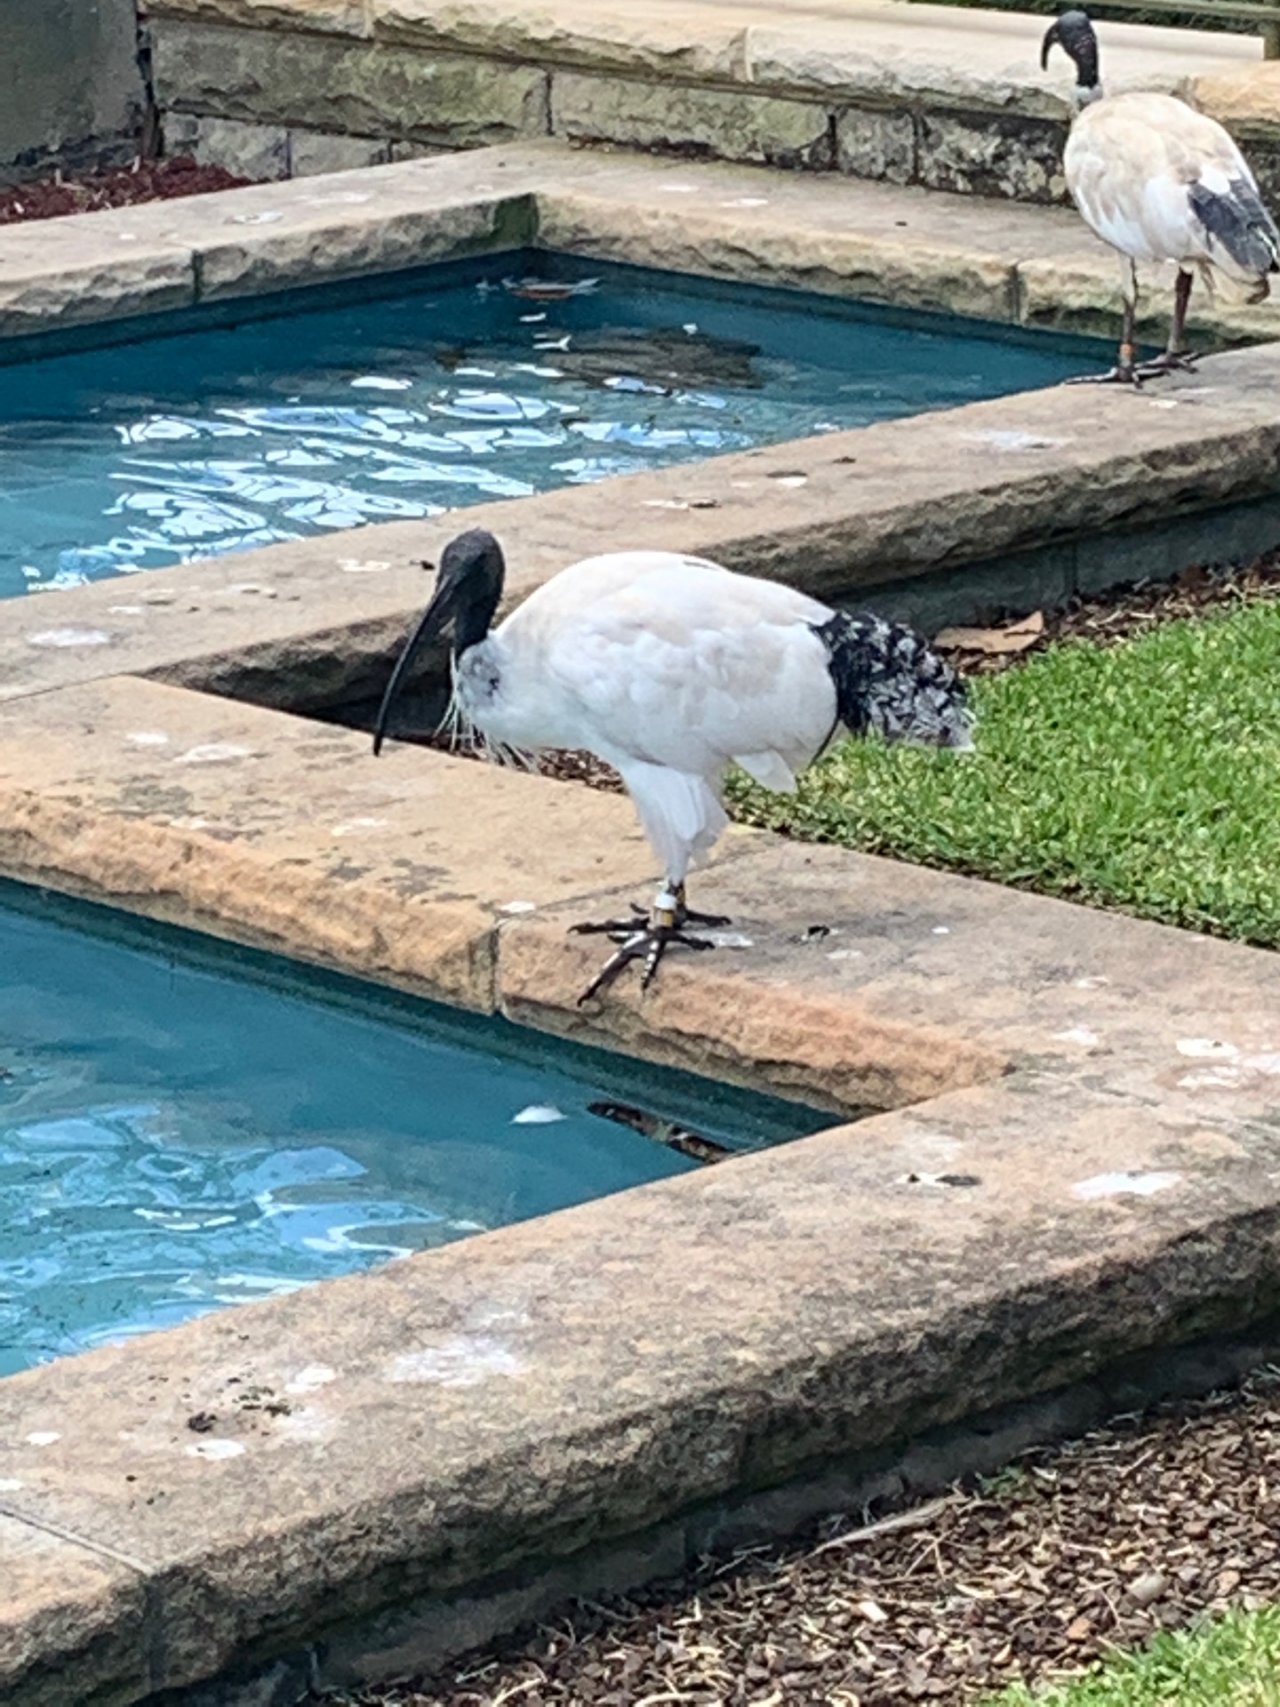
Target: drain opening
665	1132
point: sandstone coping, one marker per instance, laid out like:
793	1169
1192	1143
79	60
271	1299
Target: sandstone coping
881	243
1099	1091
102	268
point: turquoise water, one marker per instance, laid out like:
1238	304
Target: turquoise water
183	1128
461	388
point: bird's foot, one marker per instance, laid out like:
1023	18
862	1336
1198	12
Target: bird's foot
1121	374
645	937
1170	361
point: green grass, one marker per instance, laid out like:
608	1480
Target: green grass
1232	1662
1143	776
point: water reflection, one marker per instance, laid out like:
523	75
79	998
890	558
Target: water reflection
173	1139
120	460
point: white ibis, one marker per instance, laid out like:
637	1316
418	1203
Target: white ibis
671	668
1159	181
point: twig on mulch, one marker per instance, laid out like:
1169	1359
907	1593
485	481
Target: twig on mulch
1138	1527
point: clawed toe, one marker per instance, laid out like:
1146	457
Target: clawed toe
1183	362
648	945
645	937
620	929
1131	376
711	921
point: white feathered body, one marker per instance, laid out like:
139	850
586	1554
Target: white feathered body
667	667
1159	181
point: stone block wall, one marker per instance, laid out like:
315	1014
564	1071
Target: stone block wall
71	93
275	88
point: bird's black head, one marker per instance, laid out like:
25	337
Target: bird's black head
1073	33
890	681
468	588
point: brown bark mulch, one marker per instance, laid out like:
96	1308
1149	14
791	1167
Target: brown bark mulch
1120	613
1140	1526
144	181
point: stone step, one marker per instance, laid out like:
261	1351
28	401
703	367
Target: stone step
915	94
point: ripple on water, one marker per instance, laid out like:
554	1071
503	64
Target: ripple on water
174	1139
133	458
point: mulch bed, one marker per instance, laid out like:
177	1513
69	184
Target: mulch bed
144	181
1138	1527
1121	613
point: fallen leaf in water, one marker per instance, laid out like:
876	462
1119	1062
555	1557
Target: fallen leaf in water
1015	637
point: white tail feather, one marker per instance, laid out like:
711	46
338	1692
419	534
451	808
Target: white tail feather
770	770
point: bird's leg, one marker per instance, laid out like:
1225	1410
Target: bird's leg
646	936
1125	372
685	914
1174	357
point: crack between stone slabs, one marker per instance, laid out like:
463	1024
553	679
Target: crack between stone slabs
124	674
61	1533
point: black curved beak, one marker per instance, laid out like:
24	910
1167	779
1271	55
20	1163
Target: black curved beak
1052	38
436	619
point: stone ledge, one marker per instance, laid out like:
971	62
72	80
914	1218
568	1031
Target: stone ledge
56	273
341	17
876	51
227	818
106	267
571	1398
718	123
1246	101
68	1611
955	102
879	242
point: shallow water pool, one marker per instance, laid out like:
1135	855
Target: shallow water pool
184	1127
513	375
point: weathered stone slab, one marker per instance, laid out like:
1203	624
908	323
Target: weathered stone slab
257	151
991	154
938	982
666	37
362	89
877	144
876	259
800	1011
977	62
313	153
377	221
1083	294
289	835
65	272
343	17
1247	100
726	124
71	1617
